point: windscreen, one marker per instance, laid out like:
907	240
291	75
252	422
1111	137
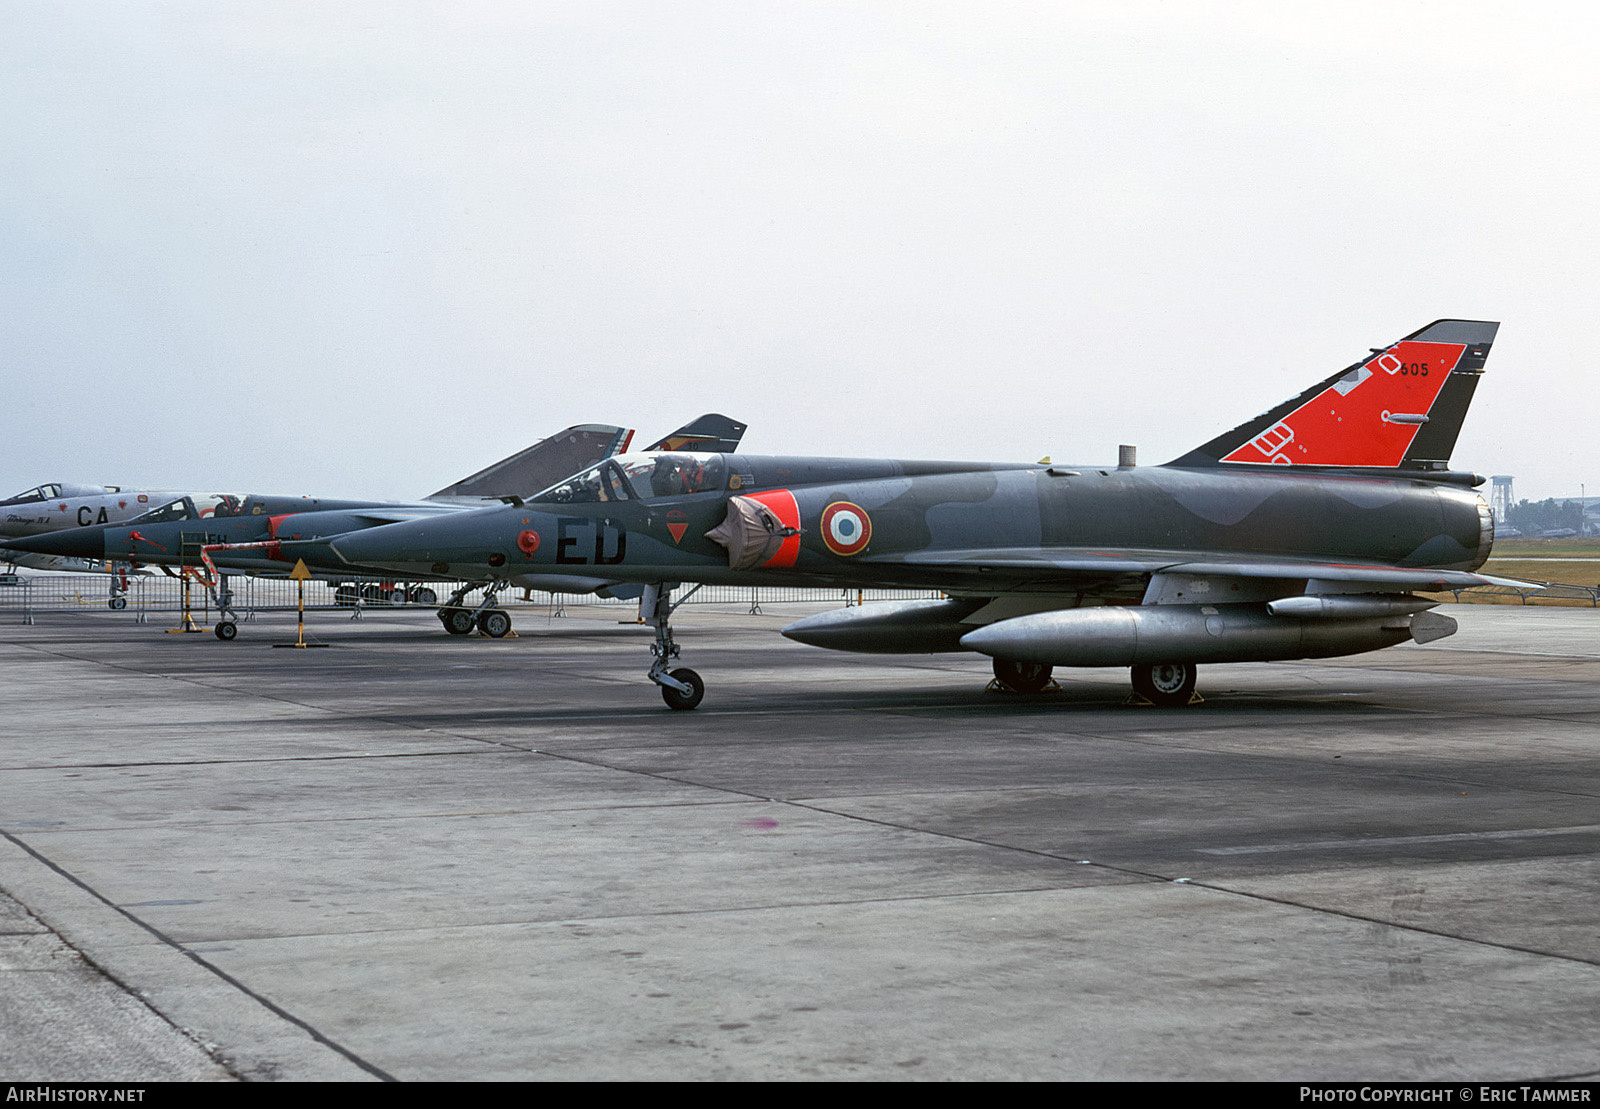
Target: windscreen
630	477
37	493
201	507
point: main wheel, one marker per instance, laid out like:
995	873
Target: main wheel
1022	677
494	622
226	630
456	621
118	603
1165	683
684	701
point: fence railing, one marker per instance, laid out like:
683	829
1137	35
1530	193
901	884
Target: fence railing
25	596
1531	593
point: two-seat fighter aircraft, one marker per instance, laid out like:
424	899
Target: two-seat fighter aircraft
267	535
1303	533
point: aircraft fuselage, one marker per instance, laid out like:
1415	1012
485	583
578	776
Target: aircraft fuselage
980	529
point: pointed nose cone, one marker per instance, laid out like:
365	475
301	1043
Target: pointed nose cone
72	542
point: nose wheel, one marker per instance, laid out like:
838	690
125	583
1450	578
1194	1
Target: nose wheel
221	591
685	690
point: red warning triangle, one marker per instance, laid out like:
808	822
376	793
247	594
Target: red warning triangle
677	524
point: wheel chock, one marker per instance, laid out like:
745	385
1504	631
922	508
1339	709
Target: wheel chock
997	686
1138	701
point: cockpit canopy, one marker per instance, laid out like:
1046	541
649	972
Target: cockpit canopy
57	490
640	477
37	493
199	507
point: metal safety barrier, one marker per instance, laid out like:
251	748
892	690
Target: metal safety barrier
1532	593
25	596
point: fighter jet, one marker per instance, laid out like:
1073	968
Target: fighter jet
267	535
1306	532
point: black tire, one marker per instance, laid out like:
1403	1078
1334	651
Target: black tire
117	604
456	621
226	630
494	622
424	596
683	702
345	596
1167	684
1022	677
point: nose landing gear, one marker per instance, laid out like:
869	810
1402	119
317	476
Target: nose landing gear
682	688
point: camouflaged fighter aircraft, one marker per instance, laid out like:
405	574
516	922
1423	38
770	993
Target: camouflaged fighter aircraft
1303	533
266	535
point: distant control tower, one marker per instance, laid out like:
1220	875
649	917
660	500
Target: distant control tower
1500	500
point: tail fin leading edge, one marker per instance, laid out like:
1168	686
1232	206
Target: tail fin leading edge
1401	407
541	465
711	432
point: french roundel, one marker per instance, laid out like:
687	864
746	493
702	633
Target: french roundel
846	528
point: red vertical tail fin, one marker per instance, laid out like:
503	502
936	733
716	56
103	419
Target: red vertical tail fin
1400	407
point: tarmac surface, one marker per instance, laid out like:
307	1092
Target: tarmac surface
417	856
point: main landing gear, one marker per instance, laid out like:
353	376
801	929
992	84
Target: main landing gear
682	688
1165	684
1022	677
486	616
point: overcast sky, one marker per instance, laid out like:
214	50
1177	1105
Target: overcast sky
364	249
